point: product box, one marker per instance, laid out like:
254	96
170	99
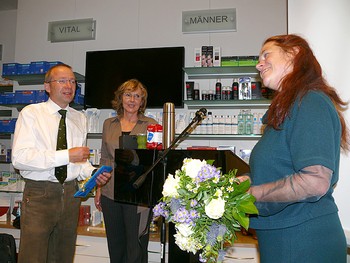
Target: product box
40	96
244	61
23	69
8	125
51	64
217	57
189	90
256	90
231	61
244	89
84	215
210	55
197	57
79	99
38	67
25	96
7	98
3	208
204	56
9	69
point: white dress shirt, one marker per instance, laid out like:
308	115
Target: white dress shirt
34	145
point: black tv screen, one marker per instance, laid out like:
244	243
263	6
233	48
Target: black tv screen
159	69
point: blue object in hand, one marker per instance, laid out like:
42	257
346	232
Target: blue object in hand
89	185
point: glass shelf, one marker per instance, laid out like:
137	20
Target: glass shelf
261	103
33	79
201	136
220	72
19	107
225	136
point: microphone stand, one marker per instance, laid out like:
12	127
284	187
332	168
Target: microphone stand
137	184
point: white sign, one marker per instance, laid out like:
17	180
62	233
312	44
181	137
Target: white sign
209	20
72	30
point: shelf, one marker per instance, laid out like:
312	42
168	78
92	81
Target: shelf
220	72
5	136
19	107
6	88
200	136
94	135
33	79
225	136
261	103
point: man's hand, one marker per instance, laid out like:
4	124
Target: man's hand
79	154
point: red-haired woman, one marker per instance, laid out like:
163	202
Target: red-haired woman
295	165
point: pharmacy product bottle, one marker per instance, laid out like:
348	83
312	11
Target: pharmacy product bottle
218	90
228	124
241	122
256	123
248	122
216	124
210	123
234	124
234	92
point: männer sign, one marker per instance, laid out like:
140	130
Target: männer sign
209	20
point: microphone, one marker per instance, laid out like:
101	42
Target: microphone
200	114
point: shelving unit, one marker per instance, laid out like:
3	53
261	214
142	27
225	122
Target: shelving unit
220	72
227	104
33	79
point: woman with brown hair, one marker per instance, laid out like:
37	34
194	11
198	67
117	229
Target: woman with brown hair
126	224
295	165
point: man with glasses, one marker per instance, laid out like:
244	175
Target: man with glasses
50	153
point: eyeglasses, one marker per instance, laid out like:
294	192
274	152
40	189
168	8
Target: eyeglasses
129	95
63	81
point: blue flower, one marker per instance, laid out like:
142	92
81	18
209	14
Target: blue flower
212	234
207	172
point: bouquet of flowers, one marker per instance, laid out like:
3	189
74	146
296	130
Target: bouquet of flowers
206	206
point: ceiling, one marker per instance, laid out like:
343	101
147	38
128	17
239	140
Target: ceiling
8	5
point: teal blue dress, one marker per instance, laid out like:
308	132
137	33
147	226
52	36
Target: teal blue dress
309	230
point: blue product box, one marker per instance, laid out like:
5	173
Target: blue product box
8	125
23	69
51	64
9	69
40	96
38	67
24	96
79	99
7	98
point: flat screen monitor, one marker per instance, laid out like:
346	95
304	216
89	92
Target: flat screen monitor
159	69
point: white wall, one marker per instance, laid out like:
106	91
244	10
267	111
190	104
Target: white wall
326	26
8	20
131	24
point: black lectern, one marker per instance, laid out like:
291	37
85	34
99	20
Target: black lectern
131	164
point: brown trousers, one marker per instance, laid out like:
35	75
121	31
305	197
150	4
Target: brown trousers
49	219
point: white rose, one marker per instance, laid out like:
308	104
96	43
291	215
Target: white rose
184	229
192	167
170	186
188	244
216	208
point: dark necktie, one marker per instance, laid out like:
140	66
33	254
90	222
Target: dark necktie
61	171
